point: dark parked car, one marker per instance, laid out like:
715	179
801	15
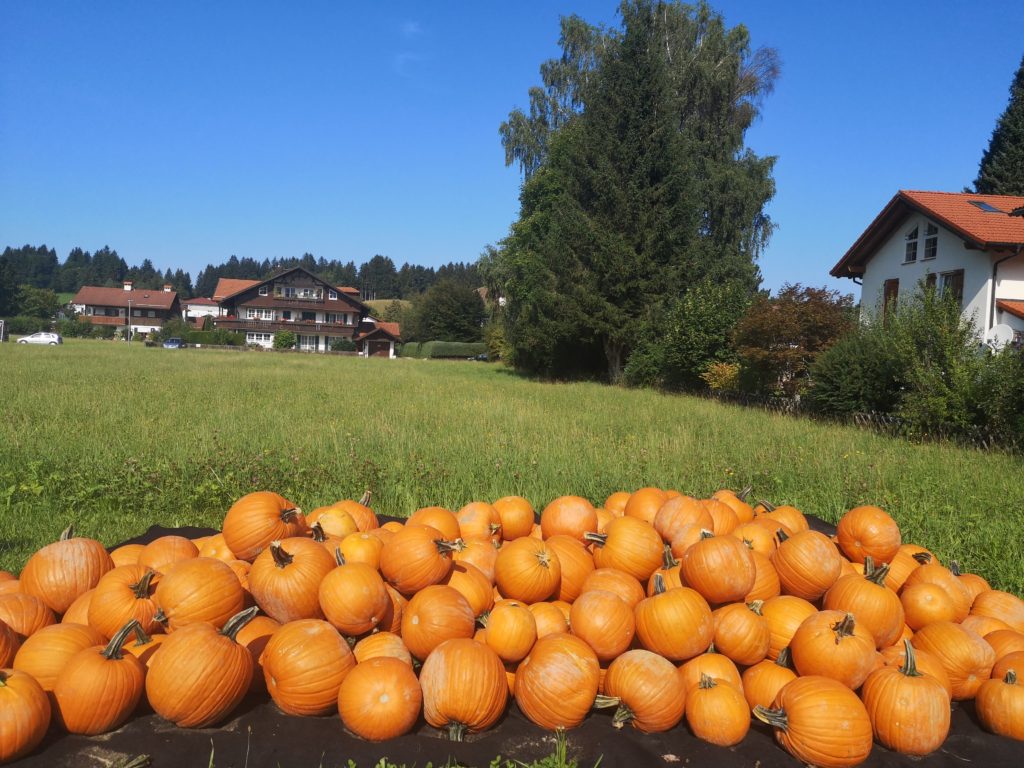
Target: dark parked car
174	343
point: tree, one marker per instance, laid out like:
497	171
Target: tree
779	338
284	340
36	302
644	192
378	278
447	311
8	288
1002	166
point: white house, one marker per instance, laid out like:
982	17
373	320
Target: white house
194	310
971	245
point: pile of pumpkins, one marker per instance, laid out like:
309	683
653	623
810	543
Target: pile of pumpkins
658	605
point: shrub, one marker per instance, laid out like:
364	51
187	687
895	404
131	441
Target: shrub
343	345
410	349
219	337
443	349
75	329
722	377
1002	382
22	325
862	372
284	340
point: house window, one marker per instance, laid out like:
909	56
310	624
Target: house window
253	313
332	295
286	314
890	293
254	337
136	313
151	313
931	241
264	290
911	253
952	283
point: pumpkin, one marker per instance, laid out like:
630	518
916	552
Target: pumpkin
217	548
59	572
630	545
469	581
909	711
766	579
820	721
784	614
763	681
877	608
360	512
791	517
254	636
675	623
99	687
380	699
568	515
25	614
996	604
908	558
643	684
974	583
200	673
737	502
10	586
480	553
126	554
123	594
198	590
1004	641
527	570
433	615
832	644
381	644
464	687
1000	706
982	625
144	646
685	538
259	518
511	630
925	604
517	517
163	552
304	665
741	632
712	664
616	502
758	536
441	518
644	504
724	520
479	520
392	620
9	644
549	619
25	713
45	653
968	659
285	579
555	685
720	568
671	575
575	564
678	514
868	532
615	581
1014	661
78	612
933	573
717	712
808	564
924	662
353	598
335	522
415	558
604	621
361	547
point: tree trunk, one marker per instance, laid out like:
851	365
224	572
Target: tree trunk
613	352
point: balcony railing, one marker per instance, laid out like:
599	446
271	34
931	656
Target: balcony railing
270	326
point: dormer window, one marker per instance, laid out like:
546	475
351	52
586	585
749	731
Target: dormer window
911	253
332	295
264	290
931	241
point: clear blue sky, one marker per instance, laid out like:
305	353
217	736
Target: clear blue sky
189	131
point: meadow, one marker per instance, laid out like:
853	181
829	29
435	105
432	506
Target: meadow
114	439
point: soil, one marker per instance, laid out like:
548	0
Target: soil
258	735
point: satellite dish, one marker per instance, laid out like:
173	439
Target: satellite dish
999	336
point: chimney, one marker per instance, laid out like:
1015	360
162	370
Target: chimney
127	285
167	287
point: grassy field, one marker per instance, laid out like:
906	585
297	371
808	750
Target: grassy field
114	439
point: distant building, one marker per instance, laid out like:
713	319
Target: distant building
148	309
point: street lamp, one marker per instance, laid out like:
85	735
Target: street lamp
129	322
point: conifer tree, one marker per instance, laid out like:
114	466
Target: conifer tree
1002	166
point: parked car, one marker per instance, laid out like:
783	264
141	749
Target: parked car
42	337
174	343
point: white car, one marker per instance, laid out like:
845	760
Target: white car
42	337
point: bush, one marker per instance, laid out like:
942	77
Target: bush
1002	382
343	345
410	349
443	349
861	373
78	328
217	338
722	377
22	325
284	340
174	328
103	331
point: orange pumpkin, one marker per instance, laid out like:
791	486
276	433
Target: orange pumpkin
968	659
480	553
974	583
808	564
877	608
511	630
724	520
285	579
615	581
304	665
741	632
575	564
59	572
259	518
126	554
78	612
832	644
47	652
604	621
123	594
433	615
549	619
468	581
996	604
763	681
416	557
737	502
163	552
766	579
1000	706
26	714
381	644
479	520
1011	661
517	517
933	573
568	515
908	558
712	664
444	520
464	687
198	590
717	712
254	636
629	545
784	614
868	532
9	644
25	614
925	604
644	504
721	568
380	699
678	514
217	548
527	570
675	623
644	685
556	684
896	656
353	598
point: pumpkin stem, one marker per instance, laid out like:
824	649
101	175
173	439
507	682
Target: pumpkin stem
365	498
781	535
495	528
909	667
67	533
767	505
668	560
239	620
600	539
282	559
742	495
290	515
318	532
783	658
141	587
876	575
141	638
3	679
773	717
160	616
338	557
113	649
923	558
447	547
954	567
456	731
706	681
1011	677
483	618
755	606
659	583
706	534
605	702
622	716
843	628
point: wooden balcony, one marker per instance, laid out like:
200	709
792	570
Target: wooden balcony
296	326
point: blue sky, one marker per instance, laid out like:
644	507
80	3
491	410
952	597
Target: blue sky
186	132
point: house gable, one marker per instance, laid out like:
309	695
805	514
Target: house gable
292	284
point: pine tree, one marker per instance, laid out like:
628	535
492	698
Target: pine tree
1002	166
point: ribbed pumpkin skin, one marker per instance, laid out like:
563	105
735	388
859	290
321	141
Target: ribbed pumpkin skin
925	604
25	614
766	579
644	504
741	633
382	644
199	590
145	651
59	572
198	676
831	644
827	725
549	620
94	694
353	598
517	517
9	643
676	624
646	685
717	712
259	518
933	573
303	666
569	515
480	553
725	519
903	564
1014	661
807	564
631	545
784	615
217	548
868	532
285	585
380	699
1004	606
478	519
362	547
878	609
1000	706
78	612
115	601
254	636
714	665
527	570
47	652
414	558
163	552
763	681
575	564
968	659
909	715
511	630
470	582
895	656
721	568
617	582
679	513
464	685
127	554
556	684
434	615
1004	641
604	621
24	712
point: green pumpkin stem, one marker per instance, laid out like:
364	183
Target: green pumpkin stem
622	716
668	560
161	617
742	495
455	731
922	558
781	535
706	534
954	568
773	717
68	533
706	681
605	702
365	498
659	584
338	557
282	559
1011	677
843	628
875	575
783	658
3	679
239	620
447	547
600	539
113	649
767	505
755	606
141	638
909	667
141	587
318	532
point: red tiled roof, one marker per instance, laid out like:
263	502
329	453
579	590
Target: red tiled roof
200	301
96	296
1012	306
954	210
227	286
367	329
349	290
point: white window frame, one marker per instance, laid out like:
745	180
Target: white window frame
931	242
332	295
264	290
258	313
910	251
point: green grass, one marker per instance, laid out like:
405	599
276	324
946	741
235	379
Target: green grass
115	439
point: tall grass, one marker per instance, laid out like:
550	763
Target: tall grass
116	439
